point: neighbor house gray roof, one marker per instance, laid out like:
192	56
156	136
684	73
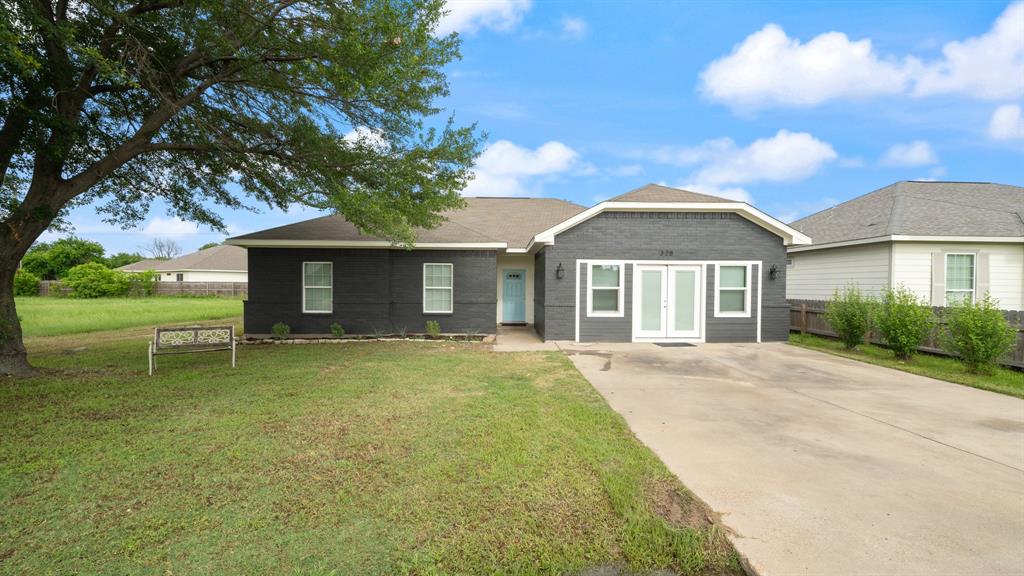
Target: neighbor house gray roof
141	265
658	193
922	209
222	257
513	221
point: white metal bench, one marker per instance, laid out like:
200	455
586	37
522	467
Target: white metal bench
187	339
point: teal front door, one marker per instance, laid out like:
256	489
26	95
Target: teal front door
513	297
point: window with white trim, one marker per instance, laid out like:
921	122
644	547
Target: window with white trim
437	288
732	290
959	278
317	287
604	289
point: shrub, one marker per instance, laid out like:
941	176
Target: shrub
903	321
141	283
979	333
849	314
280	330
433	328
337	330
26	283
94	280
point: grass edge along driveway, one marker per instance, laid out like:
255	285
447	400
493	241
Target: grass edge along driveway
1002	380
370	458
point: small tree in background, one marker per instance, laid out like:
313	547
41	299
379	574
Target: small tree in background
52	260
849	314
123	259
903	320
162	248
94	280
209	245
979	333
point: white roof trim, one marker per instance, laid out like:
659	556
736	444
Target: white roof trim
790	235
907	238
364	244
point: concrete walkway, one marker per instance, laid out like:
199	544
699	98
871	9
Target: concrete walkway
520	339
823	465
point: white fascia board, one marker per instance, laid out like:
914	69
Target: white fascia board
365	244
790	235
909	238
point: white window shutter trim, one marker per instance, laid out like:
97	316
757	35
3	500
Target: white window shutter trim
938	279
981	281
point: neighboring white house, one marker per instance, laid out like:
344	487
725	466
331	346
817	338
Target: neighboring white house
943	240
223	263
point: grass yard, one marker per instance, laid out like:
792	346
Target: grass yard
48	316
1003	380
357	458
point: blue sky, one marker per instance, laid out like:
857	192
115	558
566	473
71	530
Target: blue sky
790	106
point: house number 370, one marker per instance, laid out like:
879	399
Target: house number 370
666	253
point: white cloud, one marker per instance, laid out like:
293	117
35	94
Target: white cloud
469	16
506	169
627	170
990	66
1006	123
574	28
170	227
367	137
916	153
785	157
769	68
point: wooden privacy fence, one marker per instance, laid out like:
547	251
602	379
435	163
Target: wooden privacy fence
225	289
808	317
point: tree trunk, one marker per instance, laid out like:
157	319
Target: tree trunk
13	358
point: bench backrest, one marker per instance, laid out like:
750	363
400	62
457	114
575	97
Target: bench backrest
193	336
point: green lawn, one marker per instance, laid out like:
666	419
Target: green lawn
48	316
356	458
1003	380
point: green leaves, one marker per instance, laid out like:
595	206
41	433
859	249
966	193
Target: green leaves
208	104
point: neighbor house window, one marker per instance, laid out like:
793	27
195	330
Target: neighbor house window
605	289
732	291
437	288
959	278
317	287
179	277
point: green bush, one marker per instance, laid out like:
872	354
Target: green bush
141	283
979	333
94	280
849	314
433	328
26	283
337	330
280	330
53	260
903	321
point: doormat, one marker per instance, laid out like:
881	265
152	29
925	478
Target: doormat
673	344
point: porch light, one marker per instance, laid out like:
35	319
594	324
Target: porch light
559	272
773	272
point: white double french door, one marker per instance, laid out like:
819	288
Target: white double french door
666	301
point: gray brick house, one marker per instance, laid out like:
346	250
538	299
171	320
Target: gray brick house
654	264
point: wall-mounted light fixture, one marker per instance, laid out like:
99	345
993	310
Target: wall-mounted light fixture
773	272
559	272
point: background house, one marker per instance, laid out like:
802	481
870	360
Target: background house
943	240
223	263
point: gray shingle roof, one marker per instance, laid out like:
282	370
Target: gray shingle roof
658	193
222	257
922	209
514	221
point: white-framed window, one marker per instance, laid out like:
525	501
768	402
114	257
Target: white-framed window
604	290
317	287
732	290
960	278
438	288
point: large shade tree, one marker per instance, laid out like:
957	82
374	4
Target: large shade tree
221	103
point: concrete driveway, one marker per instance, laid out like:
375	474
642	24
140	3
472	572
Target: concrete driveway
822	465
